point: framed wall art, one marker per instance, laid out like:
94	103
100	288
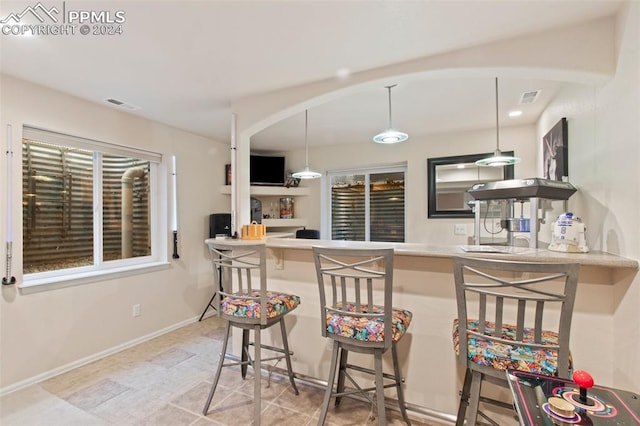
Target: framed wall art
556	152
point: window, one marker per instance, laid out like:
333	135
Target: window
87	205
368	204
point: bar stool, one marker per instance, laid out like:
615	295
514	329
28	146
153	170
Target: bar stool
357	314
248	306
501	311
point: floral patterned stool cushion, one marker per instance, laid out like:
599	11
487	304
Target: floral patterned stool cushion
503	356
277	304
367	329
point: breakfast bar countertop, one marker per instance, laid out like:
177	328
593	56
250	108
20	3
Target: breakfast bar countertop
424	285
593	258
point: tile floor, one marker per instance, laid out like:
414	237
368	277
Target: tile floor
165	381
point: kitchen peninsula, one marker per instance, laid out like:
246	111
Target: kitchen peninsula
423	284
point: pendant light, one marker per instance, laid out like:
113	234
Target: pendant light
498	160
390	135
306	173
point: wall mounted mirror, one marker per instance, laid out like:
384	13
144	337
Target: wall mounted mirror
450	177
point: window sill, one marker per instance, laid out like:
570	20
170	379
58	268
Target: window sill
62	281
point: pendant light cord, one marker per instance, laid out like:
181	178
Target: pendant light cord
497	159
497	123
389	89
306	141
306	173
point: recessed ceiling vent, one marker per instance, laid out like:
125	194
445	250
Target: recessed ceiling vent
530	96
122	104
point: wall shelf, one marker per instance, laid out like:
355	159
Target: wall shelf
275	191
284	223
270	191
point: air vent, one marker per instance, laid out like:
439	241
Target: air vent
530	96
122	104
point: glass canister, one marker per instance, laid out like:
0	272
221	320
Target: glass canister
286	208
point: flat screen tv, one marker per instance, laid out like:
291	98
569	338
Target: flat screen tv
266	170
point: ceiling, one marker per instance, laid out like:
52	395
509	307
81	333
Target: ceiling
184	62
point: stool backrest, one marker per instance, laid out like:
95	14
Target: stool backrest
235	265
350	282
517	293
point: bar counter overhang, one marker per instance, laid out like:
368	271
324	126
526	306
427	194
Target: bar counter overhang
423	284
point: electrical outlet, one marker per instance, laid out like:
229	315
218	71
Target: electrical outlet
136	310
460	229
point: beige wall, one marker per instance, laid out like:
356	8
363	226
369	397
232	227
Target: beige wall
604	159
46	330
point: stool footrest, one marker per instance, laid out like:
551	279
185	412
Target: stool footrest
233	364
249	361
273	358
272	348
372	372
371	389
492	401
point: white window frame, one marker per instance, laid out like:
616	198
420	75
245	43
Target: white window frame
157	198
325	200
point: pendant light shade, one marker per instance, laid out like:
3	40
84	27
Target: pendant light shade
390	135
498	159
306	173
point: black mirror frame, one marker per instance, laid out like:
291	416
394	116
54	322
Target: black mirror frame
508	173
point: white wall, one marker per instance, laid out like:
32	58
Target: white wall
415	151
604	159
46	330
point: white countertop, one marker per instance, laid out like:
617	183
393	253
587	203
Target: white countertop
416	249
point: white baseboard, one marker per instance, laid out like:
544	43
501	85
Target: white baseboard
91	358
